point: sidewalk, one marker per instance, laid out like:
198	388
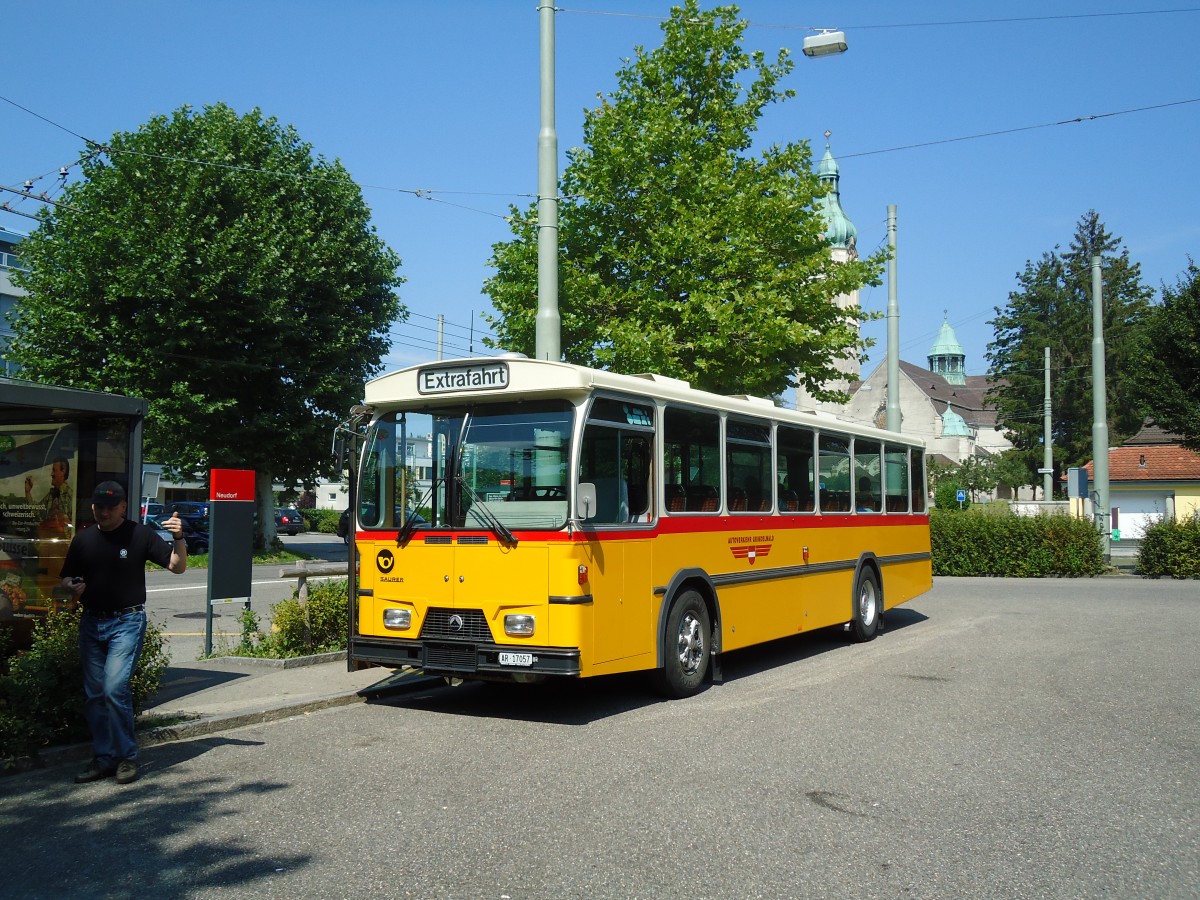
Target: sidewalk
206	696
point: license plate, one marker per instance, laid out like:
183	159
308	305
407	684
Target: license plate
516	659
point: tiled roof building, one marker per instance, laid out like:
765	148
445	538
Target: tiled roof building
1149	478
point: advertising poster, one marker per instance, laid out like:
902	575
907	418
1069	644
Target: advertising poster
38	482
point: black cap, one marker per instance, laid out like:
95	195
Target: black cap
108	493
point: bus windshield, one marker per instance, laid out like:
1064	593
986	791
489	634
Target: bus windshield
498	467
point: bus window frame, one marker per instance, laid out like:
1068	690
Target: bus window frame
690	488
649	516
813	469
766	489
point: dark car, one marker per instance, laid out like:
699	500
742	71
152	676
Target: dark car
155	522
289	521
345	529
190	512
195	531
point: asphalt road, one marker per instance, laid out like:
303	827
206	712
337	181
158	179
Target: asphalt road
1001	739
177	602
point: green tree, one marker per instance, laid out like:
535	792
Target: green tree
1170	373
208	263
1013	466
681	251
1053	308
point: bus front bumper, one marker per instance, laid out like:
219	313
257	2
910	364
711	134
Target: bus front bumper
464	659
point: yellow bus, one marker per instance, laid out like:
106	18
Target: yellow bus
518	518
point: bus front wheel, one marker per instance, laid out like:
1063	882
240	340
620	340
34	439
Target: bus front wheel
688	646
868	606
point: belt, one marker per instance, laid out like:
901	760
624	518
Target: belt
113	613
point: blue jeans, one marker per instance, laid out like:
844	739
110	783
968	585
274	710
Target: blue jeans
109	649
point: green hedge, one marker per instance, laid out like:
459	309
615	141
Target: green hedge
41	689
322	521
1171	548
1012	546
300	629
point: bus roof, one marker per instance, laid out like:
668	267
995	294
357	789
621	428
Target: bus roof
514	376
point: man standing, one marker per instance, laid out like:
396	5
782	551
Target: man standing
105	568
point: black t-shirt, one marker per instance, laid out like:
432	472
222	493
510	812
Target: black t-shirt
113	563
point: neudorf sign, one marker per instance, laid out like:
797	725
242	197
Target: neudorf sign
448	379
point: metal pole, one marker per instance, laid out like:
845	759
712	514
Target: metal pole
1047	446
1099	412
893	329
547	333
441	333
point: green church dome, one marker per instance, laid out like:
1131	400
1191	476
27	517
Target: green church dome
954	425
947	357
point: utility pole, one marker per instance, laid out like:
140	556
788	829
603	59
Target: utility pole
893	328
547	327
1099	413
1047	446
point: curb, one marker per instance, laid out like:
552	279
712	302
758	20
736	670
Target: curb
267	662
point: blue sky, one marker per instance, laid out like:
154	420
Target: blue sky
442	99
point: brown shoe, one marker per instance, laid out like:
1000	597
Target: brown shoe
94	772
127	771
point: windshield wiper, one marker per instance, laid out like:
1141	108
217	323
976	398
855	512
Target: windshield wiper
411	517
498	527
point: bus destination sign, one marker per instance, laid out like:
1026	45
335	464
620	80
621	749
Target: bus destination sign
448	379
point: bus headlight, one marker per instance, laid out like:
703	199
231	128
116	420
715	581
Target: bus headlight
397	619
518	625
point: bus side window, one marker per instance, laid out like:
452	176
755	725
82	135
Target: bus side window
615	457
794	464
692	458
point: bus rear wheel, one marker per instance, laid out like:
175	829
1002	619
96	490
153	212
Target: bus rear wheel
868	606
688	646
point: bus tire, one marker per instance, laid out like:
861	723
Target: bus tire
688	646
868	606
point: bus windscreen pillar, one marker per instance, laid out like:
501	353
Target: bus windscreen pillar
230	541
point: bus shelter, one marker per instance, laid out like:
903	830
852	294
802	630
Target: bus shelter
56	444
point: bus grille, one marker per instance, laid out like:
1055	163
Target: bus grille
438	625
450	657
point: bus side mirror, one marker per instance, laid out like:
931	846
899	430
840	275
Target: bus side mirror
585	500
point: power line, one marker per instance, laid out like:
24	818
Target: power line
985	134
992	21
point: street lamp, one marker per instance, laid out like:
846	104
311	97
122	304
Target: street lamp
825	43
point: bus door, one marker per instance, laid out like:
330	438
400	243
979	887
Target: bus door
616	457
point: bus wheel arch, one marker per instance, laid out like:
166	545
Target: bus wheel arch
688	635
866	613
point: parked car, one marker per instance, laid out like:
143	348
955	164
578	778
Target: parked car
195	531
197	538
151	509
194	515
155	522
345	528
289	521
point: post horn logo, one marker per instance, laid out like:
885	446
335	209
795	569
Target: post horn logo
384	560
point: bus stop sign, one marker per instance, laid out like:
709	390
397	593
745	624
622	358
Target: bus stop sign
231	533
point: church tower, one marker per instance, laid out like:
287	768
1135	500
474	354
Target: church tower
843	246
947	357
